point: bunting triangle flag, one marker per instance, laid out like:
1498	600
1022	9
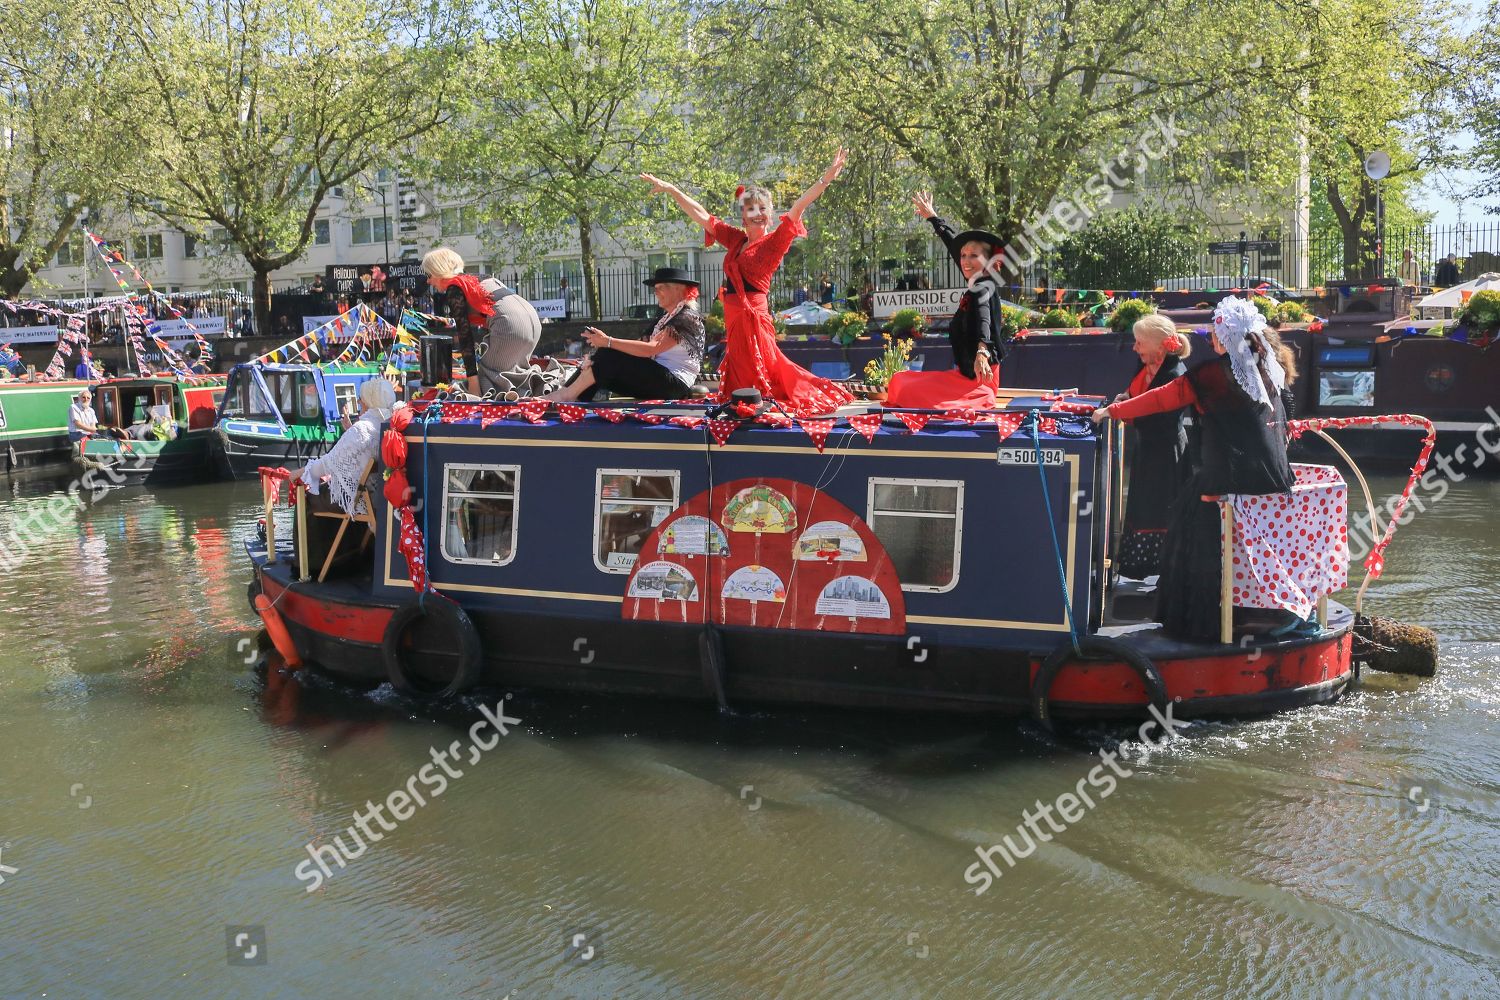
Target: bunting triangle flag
866	423
692	423
960	416
650	418
571	413
817	429
721	429
773	419
914	421
533	410
612	415
1006	423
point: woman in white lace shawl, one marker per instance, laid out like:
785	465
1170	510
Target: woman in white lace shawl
360	444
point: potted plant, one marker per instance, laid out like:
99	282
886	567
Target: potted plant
1482	316
895	358
1292	312
1058	318
908	323
846	327
1124	318
1013	319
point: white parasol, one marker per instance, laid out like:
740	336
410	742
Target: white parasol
1452	298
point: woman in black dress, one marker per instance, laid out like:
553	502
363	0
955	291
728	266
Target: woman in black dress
1237	397
1158	466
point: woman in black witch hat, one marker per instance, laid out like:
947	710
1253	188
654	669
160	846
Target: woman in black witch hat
976	330
664	365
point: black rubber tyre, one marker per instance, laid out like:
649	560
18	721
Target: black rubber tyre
450	618
1093	647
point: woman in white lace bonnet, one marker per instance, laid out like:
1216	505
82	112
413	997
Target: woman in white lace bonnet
358	446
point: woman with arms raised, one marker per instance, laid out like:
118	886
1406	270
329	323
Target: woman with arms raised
751	357
976	330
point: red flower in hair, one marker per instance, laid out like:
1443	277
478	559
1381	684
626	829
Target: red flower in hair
1172	343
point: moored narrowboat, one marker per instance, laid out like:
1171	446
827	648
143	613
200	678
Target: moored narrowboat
34	421
880	559
279	414
159	429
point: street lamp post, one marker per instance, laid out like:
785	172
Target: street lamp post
385	222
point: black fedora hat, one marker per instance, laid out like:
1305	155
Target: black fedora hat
979	236
671	275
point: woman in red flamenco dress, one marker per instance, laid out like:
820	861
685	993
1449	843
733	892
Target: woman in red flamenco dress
751	357
976	331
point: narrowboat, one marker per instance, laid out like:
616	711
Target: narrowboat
164	425
275	414
34	421
907	560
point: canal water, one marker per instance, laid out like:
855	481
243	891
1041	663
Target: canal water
158	793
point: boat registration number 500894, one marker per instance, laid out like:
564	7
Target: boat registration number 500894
1027	456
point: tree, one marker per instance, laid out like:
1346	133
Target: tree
262	107
1023	117
1482	100
1387	79
1129	249
568	104
65	129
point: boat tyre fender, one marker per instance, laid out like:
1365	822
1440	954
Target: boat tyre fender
1093	647
450	620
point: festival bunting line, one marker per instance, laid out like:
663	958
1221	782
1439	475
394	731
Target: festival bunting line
110	256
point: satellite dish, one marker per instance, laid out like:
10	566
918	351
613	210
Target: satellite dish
1378	165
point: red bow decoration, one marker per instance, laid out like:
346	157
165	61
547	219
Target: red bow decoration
393	448
914	421
570	413
745	410
398	489
721	429
866	423
817	430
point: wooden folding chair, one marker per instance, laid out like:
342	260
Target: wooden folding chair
364	500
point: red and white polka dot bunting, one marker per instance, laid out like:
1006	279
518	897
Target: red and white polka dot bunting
612	415
817	430
721	429
914	421
868	424
692	423
571	413
533	410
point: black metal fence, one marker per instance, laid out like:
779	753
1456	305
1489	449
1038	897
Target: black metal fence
1292	262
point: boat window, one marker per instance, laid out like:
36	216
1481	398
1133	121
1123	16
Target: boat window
343	397
920	524
628	504
109	408
232	399
309	407
479	513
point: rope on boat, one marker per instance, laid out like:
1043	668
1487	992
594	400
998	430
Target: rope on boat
1375	562
1035	420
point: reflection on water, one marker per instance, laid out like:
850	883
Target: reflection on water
157	789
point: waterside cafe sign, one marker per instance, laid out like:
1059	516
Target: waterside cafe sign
362	279
927	301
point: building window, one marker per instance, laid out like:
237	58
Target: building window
920	524
479	513
147	247
459	221
322	236
365	231
629	503
71	253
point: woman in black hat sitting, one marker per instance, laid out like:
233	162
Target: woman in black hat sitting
664	365
975	331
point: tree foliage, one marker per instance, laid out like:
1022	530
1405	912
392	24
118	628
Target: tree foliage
66	129
260	108
1130	249
566	104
